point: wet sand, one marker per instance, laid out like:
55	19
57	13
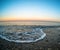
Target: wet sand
50	42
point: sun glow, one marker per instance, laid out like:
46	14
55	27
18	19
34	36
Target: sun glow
30	10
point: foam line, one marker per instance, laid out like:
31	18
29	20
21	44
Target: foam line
25	41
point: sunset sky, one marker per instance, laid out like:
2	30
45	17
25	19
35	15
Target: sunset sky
48	10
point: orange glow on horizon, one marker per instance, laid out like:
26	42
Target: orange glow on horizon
15	18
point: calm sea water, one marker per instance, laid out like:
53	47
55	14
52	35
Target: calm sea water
29	23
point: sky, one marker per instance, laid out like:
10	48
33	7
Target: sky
48	10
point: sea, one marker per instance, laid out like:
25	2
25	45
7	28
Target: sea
24	32
30	23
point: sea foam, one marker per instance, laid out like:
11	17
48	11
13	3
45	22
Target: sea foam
21	34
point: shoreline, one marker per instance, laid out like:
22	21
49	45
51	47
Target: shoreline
28	41
51	41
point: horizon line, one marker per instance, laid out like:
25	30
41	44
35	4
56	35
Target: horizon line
28	21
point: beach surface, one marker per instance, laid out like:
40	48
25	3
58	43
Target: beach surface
50	42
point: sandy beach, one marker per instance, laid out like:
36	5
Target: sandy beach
50	42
